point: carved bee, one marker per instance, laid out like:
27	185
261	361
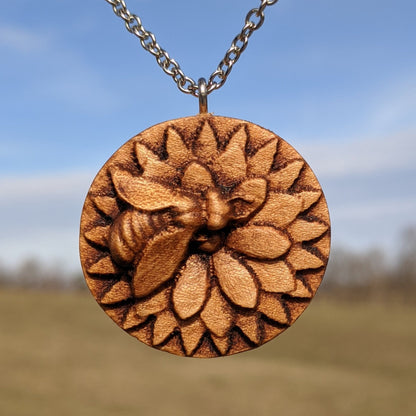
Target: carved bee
154	234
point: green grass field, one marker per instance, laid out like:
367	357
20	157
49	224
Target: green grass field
60	355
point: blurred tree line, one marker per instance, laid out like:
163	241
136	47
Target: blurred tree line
350	275
372	274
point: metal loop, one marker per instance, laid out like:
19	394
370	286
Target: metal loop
203	96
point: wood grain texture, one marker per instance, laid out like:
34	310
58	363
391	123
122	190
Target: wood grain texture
205	236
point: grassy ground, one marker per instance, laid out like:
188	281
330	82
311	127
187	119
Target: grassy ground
61	355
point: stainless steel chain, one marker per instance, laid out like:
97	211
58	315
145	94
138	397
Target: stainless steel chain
253	21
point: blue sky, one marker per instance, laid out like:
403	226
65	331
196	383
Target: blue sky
337	80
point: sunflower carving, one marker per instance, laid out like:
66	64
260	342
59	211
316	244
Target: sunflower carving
204	236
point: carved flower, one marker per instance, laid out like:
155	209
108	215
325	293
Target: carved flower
209	239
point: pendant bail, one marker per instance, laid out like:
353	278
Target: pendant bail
203	96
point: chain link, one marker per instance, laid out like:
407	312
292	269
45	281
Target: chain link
253	21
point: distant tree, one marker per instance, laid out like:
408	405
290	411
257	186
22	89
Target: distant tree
406	261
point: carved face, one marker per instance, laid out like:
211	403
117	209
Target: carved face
213	229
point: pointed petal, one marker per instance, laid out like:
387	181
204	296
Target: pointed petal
98	235
222	343
132	319
145	194
155	304
279	209
272	307
247	197
261	162
206	144
309	198
301	291
119	292
301	259
197	178
270	331
192	334
116	314
217	314
231	165
103	266
161	257
301	230
152	166
106	204
235	280
284	178
176	149
274	277
164	326
143	334
191	288
261	242
250	326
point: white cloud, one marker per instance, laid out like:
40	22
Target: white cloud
22	39
386	209
362	156
41	217
67	185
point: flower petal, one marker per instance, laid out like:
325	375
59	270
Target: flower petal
301	259
147	195
119	292
191	335
161	257
250	326
222	343
309	198
247	197
261	162
301	230
103	266
115	313
191	288
106	204
155	304
132	319
197	178
274	277
261	242
98	235
176	149
152	166
273	308
301	291
231	165
206	144
284	178
217	314
280	209
164	325
235	280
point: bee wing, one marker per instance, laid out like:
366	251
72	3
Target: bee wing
147	195
160	260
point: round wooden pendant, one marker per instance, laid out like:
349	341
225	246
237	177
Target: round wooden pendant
204	236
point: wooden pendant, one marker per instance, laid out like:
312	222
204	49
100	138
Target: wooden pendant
205	236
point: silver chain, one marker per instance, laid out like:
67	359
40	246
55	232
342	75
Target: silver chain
253	21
